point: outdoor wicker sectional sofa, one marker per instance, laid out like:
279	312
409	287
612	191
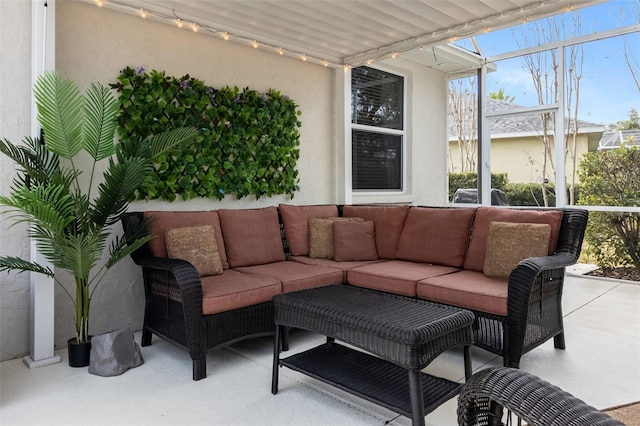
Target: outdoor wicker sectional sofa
455	256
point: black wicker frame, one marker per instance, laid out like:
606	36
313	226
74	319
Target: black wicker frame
499	396
173	307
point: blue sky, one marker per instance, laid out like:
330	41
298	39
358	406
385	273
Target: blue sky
607	89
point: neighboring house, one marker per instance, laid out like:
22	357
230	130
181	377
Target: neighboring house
516	144
612	140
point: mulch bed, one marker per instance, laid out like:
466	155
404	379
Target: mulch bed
628	414
622	273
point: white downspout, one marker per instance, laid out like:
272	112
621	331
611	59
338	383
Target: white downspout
42	288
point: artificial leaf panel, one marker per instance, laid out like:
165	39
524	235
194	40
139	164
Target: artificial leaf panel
248	142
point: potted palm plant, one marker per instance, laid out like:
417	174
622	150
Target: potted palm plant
71	215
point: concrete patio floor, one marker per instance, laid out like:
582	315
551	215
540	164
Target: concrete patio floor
601	365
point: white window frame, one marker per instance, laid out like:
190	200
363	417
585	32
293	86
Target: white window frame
380	130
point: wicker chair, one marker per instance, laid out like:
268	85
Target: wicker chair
534	298
173	308
506	396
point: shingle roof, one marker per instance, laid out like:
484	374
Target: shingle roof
610	140
530	124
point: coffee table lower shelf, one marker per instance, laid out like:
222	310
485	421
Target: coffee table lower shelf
370	377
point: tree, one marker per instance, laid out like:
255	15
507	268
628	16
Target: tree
543	68
633	123
612	178
463	102
499	95
630	47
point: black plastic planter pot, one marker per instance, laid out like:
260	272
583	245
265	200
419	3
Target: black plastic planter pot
79	353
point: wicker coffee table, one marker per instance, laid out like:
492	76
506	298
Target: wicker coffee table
401	335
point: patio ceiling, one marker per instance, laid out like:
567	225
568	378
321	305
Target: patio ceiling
351	32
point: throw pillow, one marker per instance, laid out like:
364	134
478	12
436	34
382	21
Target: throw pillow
321	236
474	259
354	241
163	220
509	243
197	245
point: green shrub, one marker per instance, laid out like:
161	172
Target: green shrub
612	178
248	144
529	194
518	194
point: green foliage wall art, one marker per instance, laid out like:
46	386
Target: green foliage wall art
248	144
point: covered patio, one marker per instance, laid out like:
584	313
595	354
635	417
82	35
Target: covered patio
305	50
599	366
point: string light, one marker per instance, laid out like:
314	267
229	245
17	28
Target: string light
392	50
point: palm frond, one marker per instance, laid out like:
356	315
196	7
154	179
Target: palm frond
166	141
51	207
59	103
8	263
100	109
80	253
121	181
121	247
36	164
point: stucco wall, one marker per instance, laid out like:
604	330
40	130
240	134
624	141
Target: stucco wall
94	44
15	123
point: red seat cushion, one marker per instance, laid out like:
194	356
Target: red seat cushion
395	276
296	276
467	289
233	290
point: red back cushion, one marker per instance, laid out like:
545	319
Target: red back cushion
388	221
169	220
485	215
251	236
438	236
296	224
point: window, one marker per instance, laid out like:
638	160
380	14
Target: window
377	130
